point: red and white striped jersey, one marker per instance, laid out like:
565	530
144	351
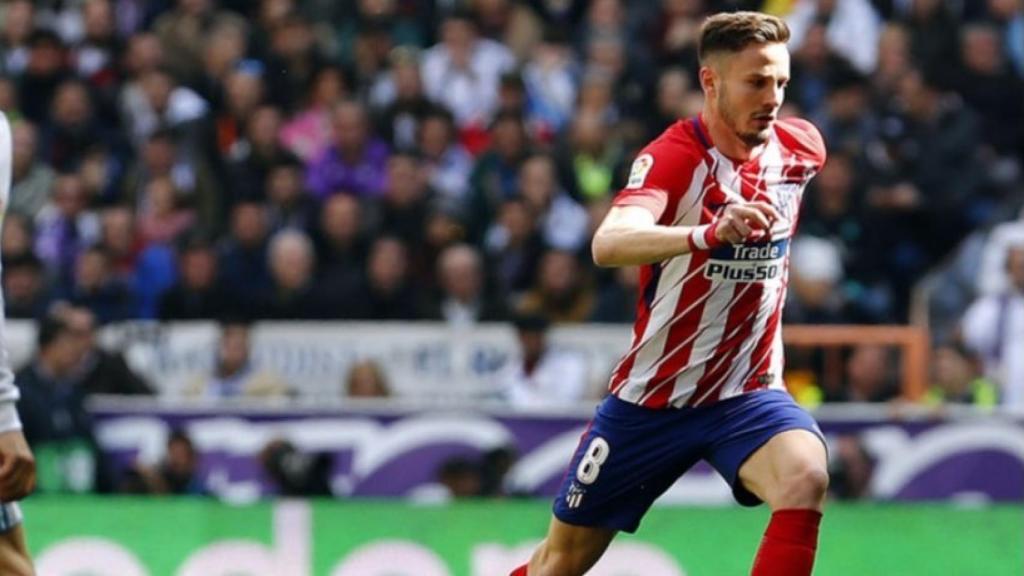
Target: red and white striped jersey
708	324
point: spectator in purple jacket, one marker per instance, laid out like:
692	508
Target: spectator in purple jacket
355	163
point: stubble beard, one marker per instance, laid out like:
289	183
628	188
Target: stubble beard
750	139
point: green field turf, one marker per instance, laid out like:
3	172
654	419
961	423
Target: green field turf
168	537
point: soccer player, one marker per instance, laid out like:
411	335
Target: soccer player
708	211
17	465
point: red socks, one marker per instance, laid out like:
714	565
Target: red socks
789	544
521	571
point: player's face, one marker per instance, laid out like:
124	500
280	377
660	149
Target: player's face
749	89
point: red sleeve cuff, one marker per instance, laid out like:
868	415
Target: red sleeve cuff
651	199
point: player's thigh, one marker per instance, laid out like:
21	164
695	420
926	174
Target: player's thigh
788	470
570	548
14	556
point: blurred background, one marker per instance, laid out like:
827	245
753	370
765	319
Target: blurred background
303	287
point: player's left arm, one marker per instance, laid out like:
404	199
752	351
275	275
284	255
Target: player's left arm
17	465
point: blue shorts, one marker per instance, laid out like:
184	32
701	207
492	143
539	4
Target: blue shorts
630	454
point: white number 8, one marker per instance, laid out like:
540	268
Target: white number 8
590	466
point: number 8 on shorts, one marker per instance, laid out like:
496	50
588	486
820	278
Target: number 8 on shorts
590	465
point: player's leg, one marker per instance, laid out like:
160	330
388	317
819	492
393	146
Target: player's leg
568	550
771	450
790	474
627	458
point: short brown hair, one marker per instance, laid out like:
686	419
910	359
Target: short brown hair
734	31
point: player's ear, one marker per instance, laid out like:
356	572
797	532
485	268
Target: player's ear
708	79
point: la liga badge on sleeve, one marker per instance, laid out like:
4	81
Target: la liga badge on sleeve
638	173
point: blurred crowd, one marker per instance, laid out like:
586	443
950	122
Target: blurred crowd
449	160
388	159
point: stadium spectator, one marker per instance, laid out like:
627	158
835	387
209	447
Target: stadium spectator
17	237
292	58
296	474
196	295
398	96
176	473
100	371
119	237
850	468
111	299
994	324
19	16
26	294
495	177
460	478
563	222
32	177
514	248
163	220
1009	14
852	28
366	379
550	76
52	408
815	282
193	179
355	163
562	293
255	152
65	227
616	298
387	292
541	376
46	68
294	294
463	299
289	204
243	254
234	374
341	238
446	162
183	32
406	201
308	133
990	87
462	71
959	379
869	375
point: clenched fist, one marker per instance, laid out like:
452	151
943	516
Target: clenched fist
17	467
742	221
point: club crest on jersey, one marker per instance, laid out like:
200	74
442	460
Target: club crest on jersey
762	262
638	173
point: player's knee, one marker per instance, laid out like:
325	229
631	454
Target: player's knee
804	488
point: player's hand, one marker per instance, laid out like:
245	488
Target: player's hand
744	221
17	467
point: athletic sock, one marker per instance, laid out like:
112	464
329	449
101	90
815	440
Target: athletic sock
789	544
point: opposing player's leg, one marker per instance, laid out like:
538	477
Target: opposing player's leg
790	474
14	556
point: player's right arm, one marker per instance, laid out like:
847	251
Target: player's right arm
637	231
630	233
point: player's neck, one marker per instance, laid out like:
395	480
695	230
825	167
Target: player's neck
725	139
